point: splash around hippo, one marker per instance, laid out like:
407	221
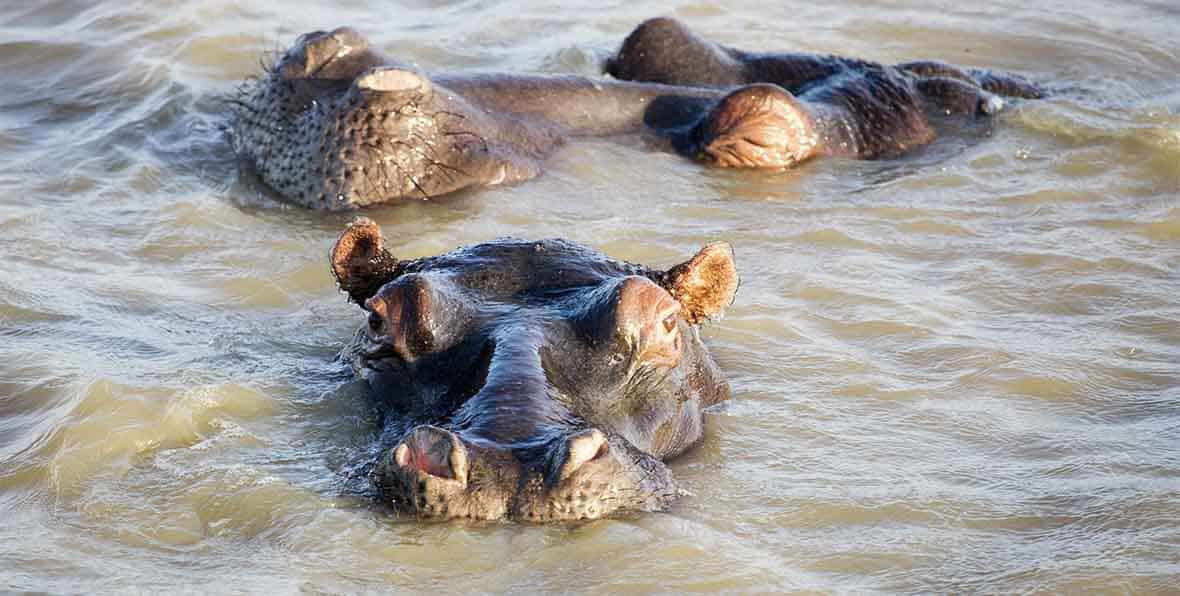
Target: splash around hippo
535	381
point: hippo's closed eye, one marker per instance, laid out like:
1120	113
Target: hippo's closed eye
651	318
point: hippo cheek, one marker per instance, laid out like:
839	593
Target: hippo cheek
680	429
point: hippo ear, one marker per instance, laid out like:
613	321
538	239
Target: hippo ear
705	284
360	262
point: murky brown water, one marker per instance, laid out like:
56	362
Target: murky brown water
955	372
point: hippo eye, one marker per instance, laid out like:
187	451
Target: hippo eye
670	323
375	321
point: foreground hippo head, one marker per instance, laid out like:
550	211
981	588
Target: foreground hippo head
532	380
333	124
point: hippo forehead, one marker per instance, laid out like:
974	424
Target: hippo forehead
524	273
546	293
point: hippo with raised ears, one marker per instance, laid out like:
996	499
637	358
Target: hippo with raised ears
790	107
532	380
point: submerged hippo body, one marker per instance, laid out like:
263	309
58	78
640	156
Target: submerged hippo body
333	124
537	381
789	107
336	125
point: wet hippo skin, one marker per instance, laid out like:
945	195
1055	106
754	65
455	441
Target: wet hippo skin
334	124
664	50
789	107
532	380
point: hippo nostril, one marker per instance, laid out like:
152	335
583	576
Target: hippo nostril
375	322
435	452
579	450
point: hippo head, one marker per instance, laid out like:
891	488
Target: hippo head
663	50
333	124
532	380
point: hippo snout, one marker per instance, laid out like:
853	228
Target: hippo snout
434	474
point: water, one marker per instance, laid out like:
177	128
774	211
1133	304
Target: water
958	371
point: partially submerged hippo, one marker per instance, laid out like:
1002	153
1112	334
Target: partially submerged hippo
790	107
336	125
534	381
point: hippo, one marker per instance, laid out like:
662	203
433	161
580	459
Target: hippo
535	381
789	107
334	124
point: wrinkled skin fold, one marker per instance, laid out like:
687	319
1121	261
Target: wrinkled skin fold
334	124
532	380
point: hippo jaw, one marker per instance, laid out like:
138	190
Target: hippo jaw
532	381
335	125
